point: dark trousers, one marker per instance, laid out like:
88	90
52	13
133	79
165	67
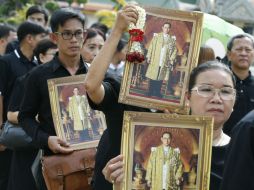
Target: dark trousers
5	163
102	157
155	88
21	177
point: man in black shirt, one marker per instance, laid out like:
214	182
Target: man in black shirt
104	96
36	14
241	56
7	34
239	164
68	33
12	66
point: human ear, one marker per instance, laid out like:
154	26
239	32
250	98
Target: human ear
53	37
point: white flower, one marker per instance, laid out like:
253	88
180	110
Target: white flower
141	19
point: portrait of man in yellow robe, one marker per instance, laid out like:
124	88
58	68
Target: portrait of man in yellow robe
165	168
161	54
79	112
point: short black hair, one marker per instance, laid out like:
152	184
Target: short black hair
166	132
100	26
206	66
5	30
167	23
42	47
60	16
26	28
92	32
121	44
232	39
37	9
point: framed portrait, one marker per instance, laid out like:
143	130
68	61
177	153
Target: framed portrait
166	151
73	118
170	46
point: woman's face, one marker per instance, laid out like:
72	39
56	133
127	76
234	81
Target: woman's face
48	56
214	106
91	48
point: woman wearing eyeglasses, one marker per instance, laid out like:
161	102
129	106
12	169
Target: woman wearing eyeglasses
210	93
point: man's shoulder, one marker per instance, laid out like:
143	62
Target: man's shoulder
249	118
9	58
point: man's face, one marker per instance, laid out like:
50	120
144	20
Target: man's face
165	139
241	54
69	38
12	36
37	18
166	28
75	91
35	39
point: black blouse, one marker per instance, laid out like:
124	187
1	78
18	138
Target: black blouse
217	166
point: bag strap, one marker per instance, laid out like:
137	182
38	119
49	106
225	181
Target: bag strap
60	178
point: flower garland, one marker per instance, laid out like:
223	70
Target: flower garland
136	36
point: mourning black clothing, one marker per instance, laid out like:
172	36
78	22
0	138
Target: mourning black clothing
239	165
36	101
217	166
20	177
110	142
11	46
12	66
244	102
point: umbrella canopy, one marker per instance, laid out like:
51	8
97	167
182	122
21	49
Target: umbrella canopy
216	33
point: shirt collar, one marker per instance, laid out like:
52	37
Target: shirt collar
57	63
247	79
115	67
20	55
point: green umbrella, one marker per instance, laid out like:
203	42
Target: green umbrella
217	30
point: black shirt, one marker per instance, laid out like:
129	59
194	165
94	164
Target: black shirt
36	101
12	66
239	163
17	94
11	46
244	102
217	166
110	142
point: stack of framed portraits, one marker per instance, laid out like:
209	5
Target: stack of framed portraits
153	143
73	118
171	46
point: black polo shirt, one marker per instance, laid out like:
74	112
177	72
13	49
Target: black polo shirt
17	94
244	102
36	101
12	66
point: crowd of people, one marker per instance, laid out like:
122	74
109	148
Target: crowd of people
43	48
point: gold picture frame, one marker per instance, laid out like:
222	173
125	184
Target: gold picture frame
164	86
190	143
73	118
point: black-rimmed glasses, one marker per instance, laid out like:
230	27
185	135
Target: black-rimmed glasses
67	35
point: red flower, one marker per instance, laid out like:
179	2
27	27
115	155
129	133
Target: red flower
135	57
136	35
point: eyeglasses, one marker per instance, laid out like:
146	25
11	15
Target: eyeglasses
207	91
67	35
